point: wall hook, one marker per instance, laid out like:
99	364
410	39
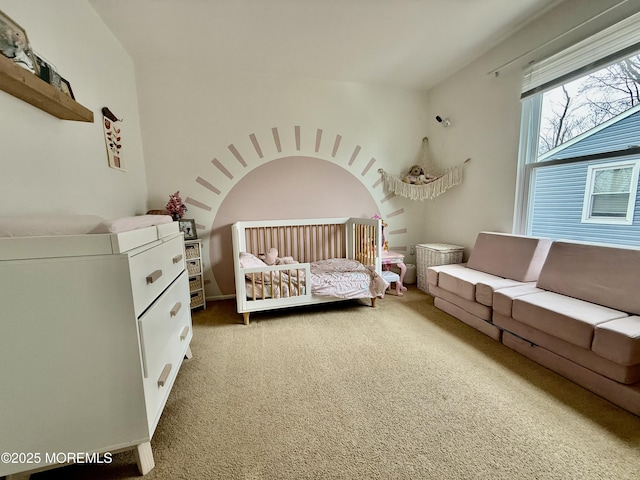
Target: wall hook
110	115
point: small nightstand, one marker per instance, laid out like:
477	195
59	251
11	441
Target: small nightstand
193	254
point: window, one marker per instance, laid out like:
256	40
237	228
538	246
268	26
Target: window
610	193
580	141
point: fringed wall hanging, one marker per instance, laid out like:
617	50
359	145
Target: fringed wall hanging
423	182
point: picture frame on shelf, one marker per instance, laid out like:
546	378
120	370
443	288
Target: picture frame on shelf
65	87
14	44
44	69
49	73
188	227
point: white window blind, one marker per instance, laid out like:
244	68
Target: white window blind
614	43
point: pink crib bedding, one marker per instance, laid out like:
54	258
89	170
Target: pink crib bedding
337	278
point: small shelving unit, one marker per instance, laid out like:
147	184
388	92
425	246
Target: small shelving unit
193	254
30	88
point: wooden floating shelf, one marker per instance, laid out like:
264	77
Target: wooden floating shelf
26	86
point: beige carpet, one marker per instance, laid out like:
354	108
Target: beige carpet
400	391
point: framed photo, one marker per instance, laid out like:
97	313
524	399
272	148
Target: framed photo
188	226
14	44
65	87
44	69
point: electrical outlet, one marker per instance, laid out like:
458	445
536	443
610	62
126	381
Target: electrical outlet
412	251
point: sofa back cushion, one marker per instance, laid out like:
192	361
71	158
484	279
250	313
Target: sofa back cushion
509	256
606	275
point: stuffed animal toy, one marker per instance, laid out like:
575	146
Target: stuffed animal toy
414	176
14	45
271	258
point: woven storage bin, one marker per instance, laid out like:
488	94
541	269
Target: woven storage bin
192	250
193	266
432	254
195	282
197	299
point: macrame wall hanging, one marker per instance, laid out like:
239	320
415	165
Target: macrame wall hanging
437	180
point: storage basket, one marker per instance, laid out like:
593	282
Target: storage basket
192	250
197	299
195	282
193	266
432	254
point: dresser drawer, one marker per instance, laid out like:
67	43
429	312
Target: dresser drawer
153	270
165	333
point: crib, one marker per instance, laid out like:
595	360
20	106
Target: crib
315	245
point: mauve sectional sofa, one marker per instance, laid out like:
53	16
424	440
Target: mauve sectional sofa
572	307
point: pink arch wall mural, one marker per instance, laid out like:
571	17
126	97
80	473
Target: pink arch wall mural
278	181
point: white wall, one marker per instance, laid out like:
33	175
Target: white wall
58	166
485	114
191	115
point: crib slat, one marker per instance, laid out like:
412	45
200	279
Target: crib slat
253	285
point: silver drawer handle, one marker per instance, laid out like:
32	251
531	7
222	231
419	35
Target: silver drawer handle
184	333
164	375
154	276
176	308
177	258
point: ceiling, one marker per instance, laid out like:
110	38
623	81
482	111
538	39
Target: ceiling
402	43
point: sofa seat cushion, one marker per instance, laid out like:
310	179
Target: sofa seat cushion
618	340
486	289
474	308
463	282
567	318
509	256
503	298
627	374
433	273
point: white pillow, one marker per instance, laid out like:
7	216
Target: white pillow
249	260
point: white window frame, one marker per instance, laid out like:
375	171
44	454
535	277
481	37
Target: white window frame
609	45
631	202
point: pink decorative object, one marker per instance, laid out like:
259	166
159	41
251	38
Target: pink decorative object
175	206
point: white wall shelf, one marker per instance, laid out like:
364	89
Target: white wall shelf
28	87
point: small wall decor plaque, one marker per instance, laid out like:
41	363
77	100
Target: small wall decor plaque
113	138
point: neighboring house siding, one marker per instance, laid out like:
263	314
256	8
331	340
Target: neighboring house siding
557	212
616	136
559	189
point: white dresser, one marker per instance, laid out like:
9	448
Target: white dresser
93	331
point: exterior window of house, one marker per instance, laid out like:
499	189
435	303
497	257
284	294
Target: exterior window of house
610	194
580	141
